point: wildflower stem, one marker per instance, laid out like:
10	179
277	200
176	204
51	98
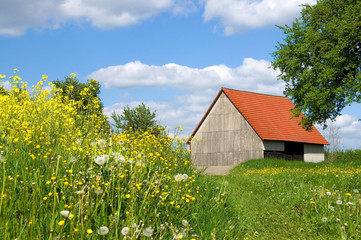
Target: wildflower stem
54	202
3	188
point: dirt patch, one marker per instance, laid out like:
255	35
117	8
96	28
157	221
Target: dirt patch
215	170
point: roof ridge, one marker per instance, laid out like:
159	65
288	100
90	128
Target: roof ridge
267	94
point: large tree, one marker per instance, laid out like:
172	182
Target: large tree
320	59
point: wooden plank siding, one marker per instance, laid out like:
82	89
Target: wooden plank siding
226	137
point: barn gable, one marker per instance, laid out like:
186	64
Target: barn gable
241	125
223	123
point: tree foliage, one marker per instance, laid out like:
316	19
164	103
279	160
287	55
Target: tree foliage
73	89
320	59
136	119
85	95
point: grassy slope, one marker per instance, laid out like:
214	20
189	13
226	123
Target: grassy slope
277	199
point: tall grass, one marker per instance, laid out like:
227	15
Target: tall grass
62	177
278	199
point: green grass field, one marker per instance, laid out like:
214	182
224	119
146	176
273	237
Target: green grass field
278	199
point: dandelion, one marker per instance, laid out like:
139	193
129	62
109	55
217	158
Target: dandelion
184	176
185	223
355	191
148	232
89	231
101	142
339	202
98	191
61	223
65	213
178	177
72	159
2	159
179	236
101	160
329	193
324	219
103	230
125	231
348	194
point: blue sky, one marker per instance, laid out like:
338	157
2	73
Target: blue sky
172	55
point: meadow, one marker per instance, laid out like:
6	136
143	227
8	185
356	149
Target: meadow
278	199
65	175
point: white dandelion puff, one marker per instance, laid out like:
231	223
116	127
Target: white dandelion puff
329	193
65	213
339	202
125	231
184	176
101	142
80	192
103	230
185	223
98	191
72	159
101	160
148	232
324	219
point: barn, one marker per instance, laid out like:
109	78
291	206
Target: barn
241	125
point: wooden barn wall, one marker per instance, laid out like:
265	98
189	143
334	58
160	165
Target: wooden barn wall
227	138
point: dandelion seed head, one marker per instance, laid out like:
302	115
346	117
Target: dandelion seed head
339	202
101	160
98	191
125	231
65	213
184	223
101	142
103	230
148	232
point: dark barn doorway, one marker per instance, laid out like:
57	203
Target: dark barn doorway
293	151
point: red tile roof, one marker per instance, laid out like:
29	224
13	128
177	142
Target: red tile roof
270	117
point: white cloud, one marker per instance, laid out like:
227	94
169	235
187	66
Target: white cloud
107	14
253	75
346	129
18	16
198	87
241	15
